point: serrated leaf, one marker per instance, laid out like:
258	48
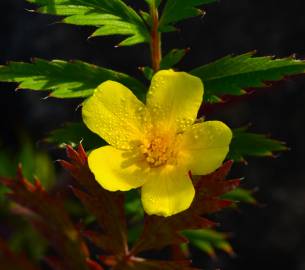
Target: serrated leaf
47	214
177	10
110	17
106	206
232	75
64	79
250	144
172	58
159	232
240	195
73	134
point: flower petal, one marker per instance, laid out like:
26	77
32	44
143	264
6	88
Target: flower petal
167	192
116	169
114	113
174	99
204	146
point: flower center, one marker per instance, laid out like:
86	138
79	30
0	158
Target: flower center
157	152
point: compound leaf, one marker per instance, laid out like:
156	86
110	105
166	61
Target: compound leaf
250	144
64	79
232	75
47	214
110	17
106	206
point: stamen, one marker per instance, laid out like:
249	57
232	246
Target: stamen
158	151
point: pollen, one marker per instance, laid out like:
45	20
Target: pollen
158	151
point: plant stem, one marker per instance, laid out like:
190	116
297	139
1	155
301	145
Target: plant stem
156	53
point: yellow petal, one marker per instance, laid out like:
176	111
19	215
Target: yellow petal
204	146
116	169
167	192
174	99
114	113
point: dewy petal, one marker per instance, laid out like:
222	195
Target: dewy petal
116	169
174	99
204	146
167	192
114	113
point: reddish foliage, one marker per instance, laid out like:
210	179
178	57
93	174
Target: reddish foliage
143	264
160	232
48	216
107	207
11	261
136	263
93	265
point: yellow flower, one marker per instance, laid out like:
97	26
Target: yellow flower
154	146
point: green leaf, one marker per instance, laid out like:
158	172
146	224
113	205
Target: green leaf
133	206
135	214
110	17
7	167
3	191
156	3
177	10
35	163
173	58
231	75
27	240
207	240
250	144
147	18
147	72
240	195
73	134
64	79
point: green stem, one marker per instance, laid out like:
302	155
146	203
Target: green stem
155	45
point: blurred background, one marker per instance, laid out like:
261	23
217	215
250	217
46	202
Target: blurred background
268	236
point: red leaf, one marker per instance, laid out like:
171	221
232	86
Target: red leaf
49	217
107	207
93	265
136	263
11	261
160	232
146	264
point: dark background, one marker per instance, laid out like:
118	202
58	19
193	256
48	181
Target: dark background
268	237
